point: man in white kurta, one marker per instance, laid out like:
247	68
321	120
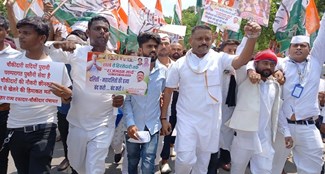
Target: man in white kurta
300	106
253	139
199	77
91	118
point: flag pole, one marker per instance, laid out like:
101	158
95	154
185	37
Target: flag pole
58	7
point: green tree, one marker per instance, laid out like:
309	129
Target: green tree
320	4
3	10
168	19
189	19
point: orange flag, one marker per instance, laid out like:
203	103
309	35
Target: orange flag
159	12
312	18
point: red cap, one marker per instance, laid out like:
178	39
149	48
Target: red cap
266	55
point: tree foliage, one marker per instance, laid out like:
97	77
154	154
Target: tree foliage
3	10
320	4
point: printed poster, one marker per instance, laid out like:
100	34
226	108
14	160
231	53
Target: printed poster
222	16
253	10
117	74
28	81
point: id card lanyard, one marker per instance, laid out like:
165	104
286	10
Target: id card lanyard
298	88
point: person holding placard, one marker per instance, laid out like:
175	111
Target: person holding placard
91	118
32	126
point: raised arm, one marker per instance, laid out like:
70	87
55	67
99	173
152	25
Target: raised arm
252	31
12	18
318	50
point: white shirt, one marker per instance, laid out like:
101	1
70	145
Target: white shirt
89	110
307	105
21	115
9	52
196	110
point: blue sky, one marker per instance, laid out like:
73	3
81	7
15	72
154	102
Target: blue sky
168	5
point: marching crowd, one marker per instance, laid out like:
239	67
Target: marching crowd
233	108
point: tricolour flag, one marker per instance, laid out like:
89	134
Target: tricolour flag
199	12
159	13
177	18
141	20
24	8
292	19
82	10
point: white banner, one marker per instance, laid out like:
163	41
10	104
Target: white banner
28	81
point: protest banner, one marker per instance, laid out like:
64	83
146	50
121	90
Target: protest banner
254	10
222	16
117	74
28	81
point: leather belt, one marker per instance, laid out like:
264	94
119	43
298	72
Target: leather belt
4	107
302	122
33	128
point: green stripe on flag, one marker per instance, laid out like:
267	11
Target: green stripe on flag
176	19
294	27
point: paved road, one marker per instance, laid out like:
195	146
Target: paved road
112	168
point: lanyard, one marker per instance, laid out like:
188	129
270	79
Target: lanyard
301	74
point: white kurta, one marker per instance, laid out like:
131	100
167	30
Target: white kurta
198	115
256	146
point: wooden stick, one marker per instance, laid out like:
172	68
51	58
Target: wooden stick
58	7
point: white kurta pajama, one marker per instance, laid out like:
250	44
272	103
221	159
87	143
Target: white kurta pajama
256	146
198	113
91	118
308	146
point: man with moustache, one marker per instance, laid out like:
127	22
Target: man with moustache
302	69
91	118
140	86
176	52
198	76
142	112
255	119
163	51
